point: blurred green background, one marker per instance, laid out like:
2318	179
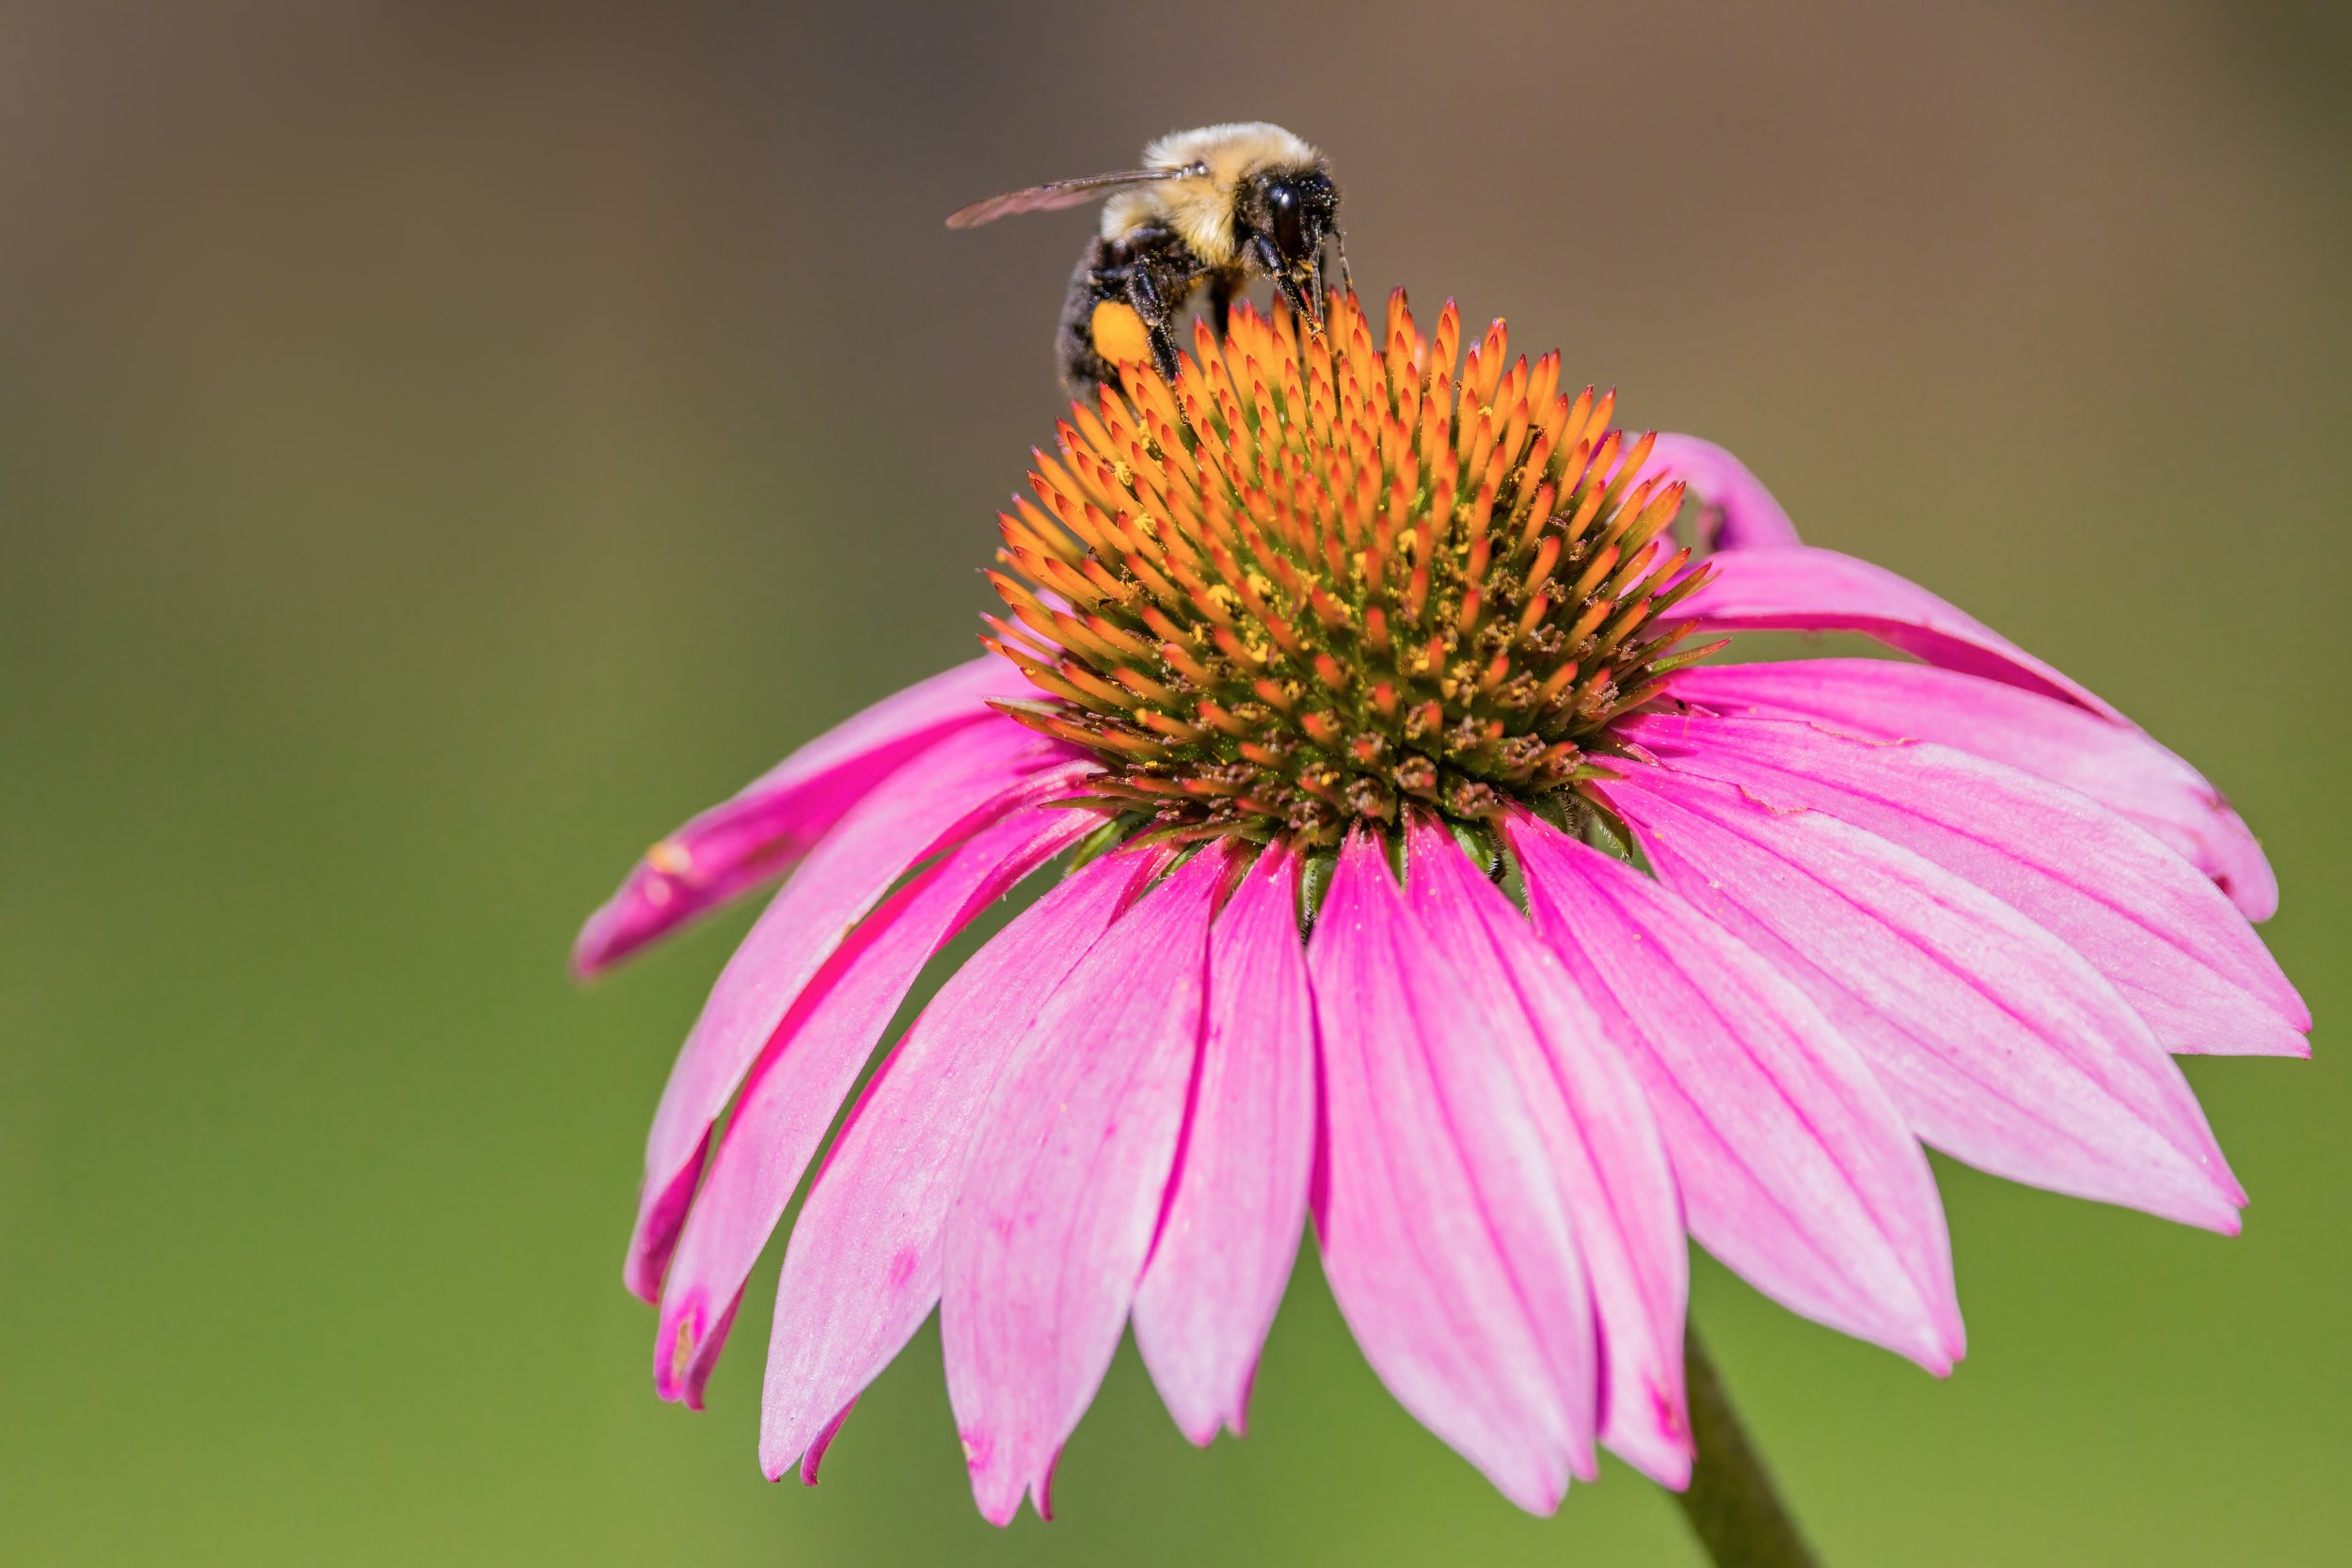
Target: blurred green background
442	447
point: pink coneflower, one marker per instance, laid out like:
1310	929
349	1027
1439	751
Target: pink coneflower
1424	884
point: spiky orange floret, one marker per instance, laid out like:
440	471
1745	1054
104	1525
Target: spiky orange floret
1315	580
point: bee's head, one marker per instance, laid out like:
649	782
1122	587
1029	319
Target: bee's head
1289	213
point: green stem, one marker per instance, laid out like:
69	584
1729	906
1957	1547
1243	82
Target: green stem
1731	1504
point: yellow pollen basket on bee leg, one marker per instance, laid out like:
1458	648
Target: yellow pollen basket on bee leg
1119	333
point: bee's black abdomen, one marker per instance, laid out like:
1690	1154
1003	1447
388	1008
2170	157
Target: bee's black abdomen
1082	369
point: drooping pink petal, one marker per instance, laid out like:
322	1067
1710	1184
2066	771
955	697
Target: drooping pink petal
861	1271
934	801
1804	588
1237	1205
764	830
1999	1043
807	1070
1062	1189
1588	1109
2121	768
1444	1235
1744	513
1795	1167
2161	932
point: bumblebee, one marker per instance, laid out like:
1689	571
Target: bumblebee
1209	208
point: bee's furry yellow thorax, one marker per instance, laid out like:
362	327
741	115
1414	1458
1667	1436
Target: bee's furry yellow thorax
1200	210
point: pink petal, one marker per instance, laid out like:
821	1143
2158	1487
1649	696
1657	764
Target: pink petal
1609	1162
1444	1234
1747	517
1062	1190
809	1067
2162	934
1795	1169
1238	1201
2121	768
861	1271
1997	1042
1803	588
759	835
937	798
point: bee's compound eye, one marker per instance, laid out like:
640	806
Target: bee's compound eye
1287	222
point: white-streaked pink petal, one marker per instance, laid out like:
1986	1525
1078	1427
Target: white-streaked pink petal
1588	1108
861	1271
1745	515
1804	588
941	797
809	1067
770	823
1795	1167
2000	1044
2158	929
1444	1236
1238	1202
2123	768
1062	1188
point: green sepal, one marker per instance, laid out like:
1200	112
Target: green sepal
1103	840
1314	880
1479	843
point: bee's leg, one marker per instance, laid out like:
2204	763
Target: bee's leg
1148	272
1157	305
1287	288
1221	301
1339	239
1167	274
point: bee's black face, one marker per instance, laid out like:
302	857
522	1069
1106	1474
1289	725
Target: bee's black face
1295	214
1291	216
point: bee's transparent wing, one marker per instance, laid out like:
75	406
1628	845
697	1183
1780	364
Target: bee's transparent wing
1060	193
